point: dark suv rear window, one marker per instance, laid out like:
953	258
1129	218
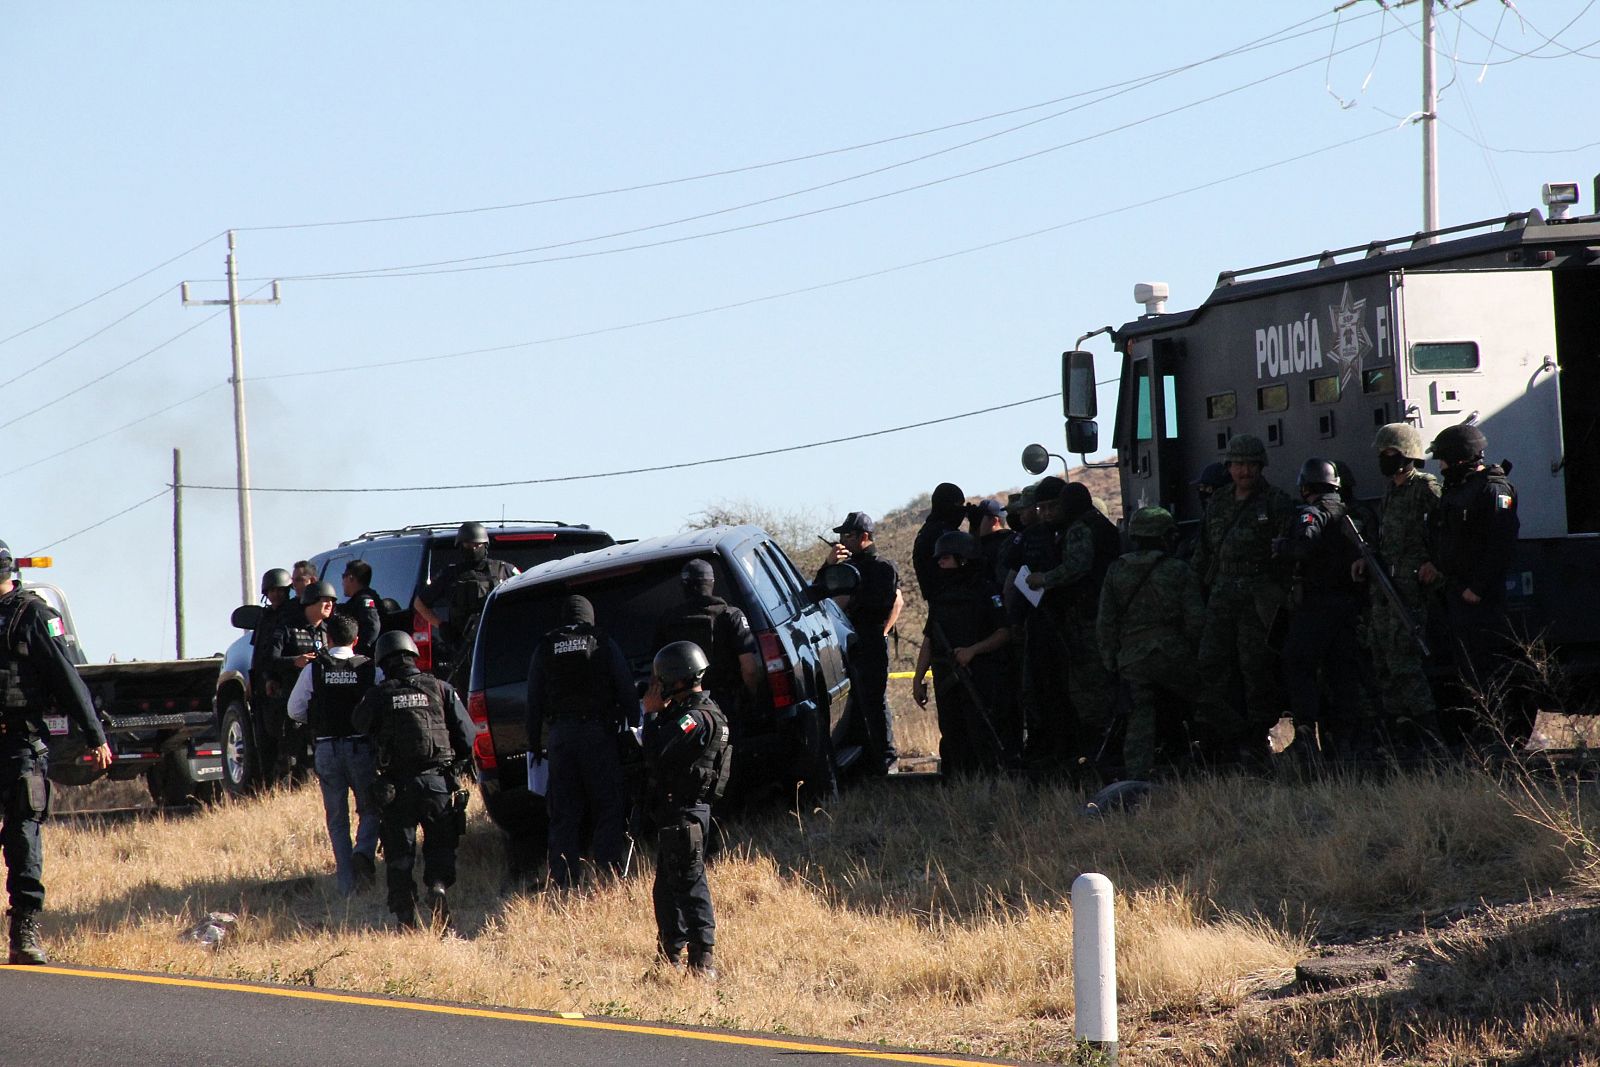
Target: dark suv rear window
523	551
627	604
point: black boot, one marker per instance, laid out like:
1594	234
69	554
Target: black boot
439	904
26	947
668	956
405	918
702	962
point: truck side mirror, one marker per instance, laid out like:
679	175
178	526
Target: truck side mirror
836	579
1083	436
1077	386
246	616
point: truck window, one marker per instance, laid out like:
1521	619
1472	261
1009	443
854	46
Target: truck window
1377	380
1324	390
1142	430
1169	406
1272	398
1444	356
394	568
764	584
1221	406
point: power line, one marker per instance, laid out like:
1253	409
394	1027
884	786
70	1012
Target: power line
108	292
1458	131
73	347
133	507
641	470
9	471
1277	37
1533	53
452	266
834	283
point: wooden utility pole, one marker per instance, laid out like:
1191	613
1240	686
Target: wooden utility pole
177	545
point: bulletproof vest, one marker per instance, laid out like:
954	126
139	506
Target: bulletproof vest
579	684
20	682
709	772
1041	547
337	686
470	590
696	620
1326	570
1459	522
411	734
300	640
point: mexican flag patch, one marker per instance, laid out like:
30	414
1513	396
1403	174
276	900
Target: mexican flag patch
687	724
55	628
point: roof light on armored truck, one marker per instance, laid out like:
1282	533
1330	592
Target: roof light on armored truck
33	561
1153	295
1559	197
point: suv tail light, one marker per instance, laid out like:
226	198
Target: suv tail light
422	634
483	744
780	672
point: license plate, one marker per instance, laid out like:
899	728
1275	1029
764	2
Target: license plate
56	724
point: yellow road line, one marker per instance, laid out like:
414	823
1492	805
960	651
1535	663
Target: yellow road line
508	1016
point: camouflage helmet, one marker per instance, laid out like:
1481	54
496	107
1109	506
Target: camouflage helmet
1459	442
1246	448
1403	437
1153	523
957	543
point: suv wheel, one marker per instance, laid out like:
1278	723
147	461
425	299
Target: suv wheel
241	762
817	770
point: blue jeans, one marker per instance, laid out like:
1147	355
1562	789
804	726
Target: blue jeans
348	765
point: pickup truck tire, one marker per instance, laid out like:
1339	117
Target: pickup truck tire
241	760
817	771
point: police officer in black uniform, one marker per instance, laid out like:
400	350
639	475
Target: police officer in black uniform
872	610
1325	609
1472	534
580	686
948	510
279	602
687	756
460	591
972	630
361	604
36	675
723	633
297	639
422	733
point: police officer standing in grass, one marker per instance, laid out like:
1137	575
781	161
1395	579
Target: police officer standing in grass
579	684
361	604
872	610
1325	608
460	590
723	633
947	512
37	675
421	733
687	756
1149	624
324	697
1401	548
1472	534
1244	588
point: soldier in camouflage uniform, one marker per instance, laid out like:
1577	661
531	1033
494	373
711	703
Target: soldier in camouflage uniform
1088	545
1149	625
1244	587
1401	547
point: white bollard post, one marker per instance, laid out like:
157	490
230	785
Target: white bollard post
1094	964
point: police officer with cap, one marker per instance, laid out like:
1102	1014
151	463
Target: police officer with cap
723	633
459	591
37	675
421	733
1472	534
580	686
872	609
688	758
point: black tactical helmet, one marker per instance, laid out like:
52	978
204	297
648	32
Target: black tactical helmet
1459	442
276	578
957	543
8	565
394	643
318	591
1319	475
679	666
471	533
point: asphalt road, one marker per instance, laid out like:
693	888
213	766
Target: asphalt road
63	1015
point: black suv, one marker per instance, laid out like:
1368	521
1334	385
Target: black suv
404	561
795	730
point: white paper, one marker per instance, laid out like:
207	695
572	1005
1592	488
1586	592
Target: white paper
538	775
1033	595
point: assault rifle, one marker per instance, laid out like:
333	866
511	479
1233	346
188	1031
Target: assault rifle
942	646
1376	571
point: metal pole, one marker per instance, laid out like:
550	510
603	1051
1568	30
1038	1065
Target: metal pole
247	560
1430	126
1094	965
177	545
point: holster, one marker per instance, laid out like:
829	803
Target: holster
458	806
679	844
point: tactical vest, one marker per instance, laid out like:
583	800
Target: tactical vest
21	683
337	686
709	772
696	620
579	684
470	591
1326	569
410	733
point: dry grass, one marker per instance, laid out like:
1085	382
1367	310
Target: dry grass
909	913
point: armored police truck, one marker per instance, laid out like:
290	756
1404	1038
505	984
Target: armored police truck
1494	323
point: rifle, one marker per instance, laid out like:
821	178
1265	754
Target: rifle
941	645
1392	595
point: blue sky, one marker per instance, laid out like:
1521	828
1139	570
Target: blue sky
139	131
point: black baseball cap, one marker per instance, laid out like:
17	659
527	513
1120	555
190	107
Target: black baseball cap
855	522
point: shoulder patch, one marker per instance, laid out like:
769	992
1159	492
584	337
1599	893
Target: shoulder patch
55	627
1308	519
996	601
1503	500
687	724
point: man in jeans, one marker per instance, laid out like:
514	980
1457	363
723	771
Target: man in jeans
327	691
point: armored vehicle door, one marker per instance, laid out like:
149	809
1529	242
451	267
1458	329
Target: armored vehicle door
1148	424
1480	346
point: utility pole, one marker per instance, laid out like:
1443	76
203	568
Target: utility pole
1430	126
177	545
247	561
